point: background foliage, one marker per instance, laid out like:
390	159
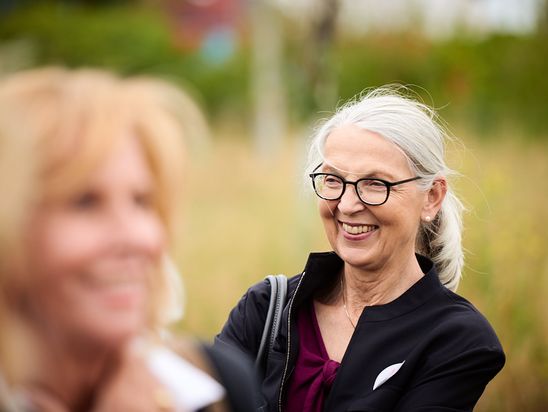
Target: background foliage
494	82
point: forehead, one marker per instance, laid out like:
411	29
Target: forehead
354	150
96	161
125	162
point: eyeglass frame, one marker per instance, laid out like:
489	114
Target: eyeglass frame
345	182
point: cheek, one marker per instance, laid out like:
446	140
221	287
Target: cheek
54	246
400	224
152	233
326	211
402	209
53	253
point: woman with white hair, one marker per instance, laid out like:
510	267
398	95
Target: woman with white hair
91	181
375	324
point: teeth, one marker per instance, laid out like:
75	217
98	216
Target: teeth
356	230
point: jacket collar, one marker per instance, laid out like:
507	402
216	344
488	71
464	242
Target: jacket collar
321	268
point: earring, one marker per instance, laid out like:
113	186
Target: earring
427	219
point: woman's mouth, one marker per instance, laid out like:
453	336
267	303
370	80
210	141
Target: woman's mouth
358	229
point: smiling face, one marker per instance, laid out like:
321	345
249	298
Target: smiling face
91	255
371	237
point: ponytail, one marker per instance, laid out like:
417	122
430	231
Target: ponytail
441	239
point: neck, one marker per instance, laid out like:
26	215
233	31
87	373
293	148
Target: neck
377	287
67	372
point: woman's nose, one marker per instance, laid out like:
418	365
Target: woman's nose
349	202
137	231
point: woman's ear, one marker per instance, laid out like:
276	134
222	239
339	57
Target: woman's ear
434	199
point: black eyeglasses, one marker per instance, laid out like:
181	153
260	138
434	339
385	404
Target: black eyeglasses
372	192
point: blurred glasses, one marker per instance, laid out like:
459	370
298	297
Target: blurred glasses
372	192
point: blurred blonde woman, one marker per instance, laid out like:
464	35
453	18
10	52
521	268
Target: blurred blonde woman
91	180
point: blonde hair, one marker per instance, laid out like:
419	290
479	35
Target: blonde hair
56	125
415	129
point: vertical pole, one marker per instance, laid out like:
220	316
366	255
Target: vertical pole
267	88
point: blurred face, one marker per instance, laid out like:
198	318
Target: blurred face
370	237
91	255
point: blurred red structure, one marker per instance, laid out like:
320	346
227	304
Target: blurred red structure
198	22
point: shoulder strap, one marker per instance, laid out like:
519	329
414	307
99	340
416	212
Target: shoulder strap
278	294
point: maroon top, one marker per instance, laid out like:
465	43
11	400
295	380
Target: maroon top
314	372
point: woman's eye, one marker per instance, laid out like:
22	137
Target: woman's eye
85	200
332	181
144	200
376	185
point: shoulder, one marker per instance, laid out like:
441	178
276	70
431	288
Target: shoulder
258	295
246	321
253	306
454	346
464	316
458	328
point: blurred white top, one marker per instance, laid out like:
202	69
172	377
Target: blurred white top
190	388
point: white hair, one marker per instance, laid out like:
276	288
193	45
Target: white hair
415	129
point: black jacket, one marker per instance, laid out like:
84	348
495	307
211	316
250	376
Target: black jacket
448	349
235	372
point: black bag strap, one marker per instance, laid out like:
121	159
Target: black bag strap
278	294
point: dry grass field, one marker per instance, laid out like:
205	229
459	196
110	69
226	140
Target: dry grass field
247	217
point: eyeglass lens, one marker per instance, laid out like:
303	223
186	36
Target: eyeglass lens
370	191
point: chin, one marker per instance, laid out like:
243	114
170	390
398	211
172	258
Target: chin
354	257
113	340
115	321
114	330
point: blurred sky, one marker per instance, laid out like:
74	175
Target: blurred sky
439	18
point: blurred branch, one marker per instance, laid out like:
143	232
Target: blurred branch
543	18
321	80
